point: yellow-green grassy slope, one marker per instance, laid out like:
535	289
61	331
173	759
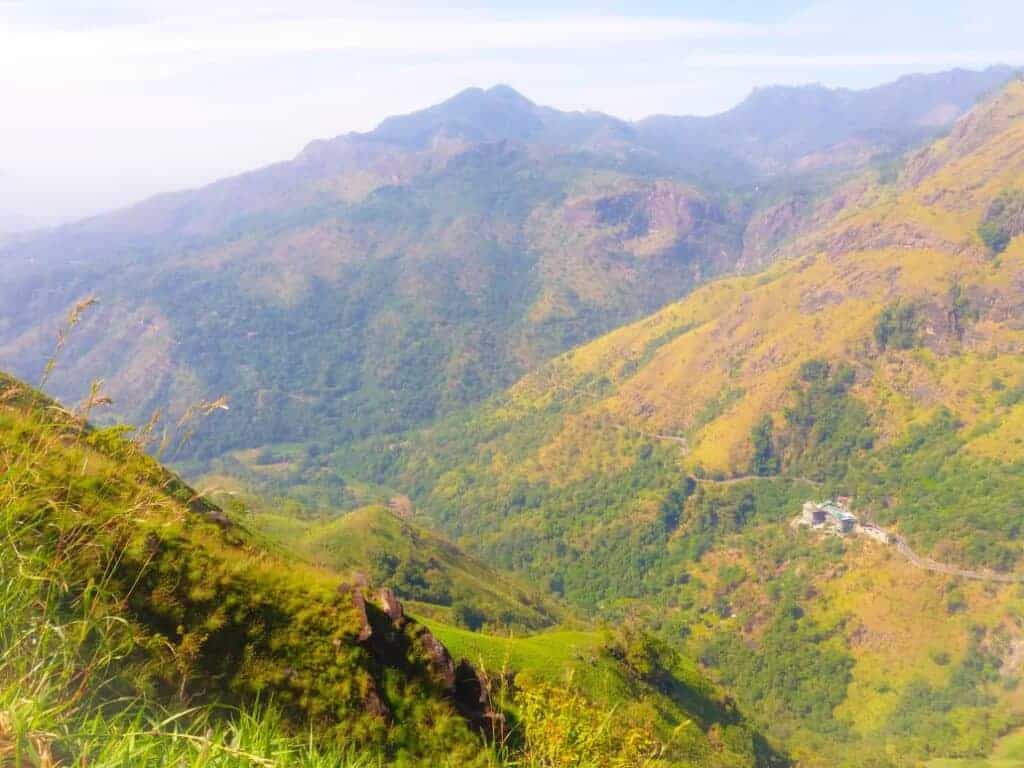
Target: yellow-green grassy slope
436	578
706	370
639	679
911	241
578	474
1008	754
199	613
689	716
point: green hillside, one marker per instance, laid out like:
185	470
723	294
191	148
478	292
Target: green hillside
657	468
151	600
150	627
436	578
642	679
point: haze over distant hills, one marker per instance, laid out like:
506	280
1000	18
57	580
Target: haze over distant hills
14	215
379	280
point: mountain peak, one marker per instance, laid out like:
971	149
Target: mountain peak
496	94
509	94
475	114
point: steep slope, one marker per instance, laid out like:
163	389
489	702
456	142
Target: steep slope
380	280
183	605
143	624
661	464
643	679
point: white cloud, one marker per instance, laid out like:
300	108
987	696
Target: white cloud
33	42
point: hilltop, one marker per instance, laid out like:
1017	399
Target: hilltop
434	577
656	468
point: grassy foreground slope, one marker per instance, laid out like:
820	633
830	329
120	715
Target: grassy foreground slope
639	678
658	466
144	626
169	603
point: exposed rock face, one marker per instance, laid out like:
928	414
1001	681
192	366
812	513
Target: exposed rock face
767	229
402	507
881	235
388	635
392	607
375	704
652	218
440	660
219	517
365	628
473	700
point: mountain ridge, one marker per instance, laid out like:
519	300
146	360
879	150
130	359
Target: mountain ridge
972	84
418	280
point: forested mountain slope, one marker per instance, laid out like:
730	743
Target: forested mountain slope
380	280
659	466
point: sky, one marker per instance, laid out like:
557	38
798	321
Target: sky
104	103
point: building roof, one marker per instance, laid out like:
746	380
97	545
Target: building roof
838	512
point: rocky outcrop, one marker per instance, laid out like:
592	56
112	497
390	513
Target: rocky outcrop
392	607
472	697
768	228
365	628
389	635
440	660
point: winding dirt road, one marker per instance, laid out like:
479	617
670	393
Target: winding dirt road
951	570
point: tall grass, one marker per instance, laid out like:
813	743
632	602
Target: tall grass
67	693
75	689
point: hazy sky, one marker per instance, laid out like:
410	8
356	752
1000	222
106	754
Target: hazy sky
103	103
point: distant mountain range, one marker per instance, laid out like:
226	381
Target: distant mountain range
380	280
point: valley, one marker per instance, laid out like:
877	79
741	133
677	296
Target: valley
878	362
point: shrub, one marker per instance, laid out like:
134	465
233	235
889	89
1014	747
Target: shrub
897	327
1003	220
764	460
468	616
561	729
994	235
